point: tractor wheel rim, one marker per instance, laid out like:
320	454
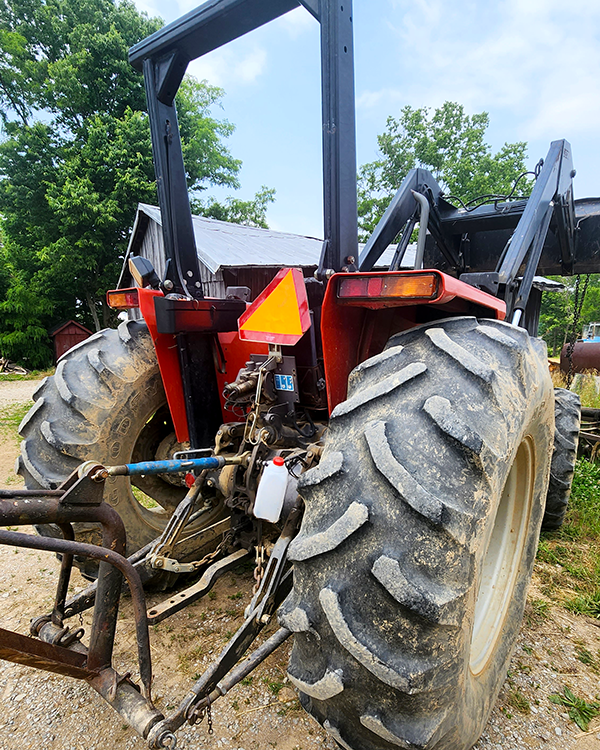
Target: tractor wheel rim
507	539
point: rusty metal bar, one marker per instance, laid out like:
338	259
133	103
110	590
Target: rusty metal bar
62	588
184	598
106	556
250	663
11	494
22	649
137	710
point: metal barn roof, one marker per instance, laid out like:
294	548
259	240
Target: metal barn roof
220	243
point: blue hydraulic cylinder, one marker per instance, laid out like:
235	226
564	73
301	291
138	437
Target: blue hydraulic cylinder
167	467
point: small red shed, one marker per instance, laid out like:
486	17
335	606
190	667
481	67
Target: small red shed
66	335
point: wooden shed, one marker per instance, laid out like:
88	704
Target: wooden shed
66	336
229	254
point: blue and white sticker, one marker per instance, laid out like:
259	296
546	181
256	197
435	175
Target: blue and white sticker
284	382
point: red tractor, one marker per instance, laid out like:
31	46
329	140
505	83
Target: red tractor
384	444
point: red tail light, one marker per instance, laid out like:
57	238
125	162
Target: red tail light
389	285
122	299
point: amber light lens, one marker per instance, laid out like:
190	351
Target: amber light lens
411	286
122	299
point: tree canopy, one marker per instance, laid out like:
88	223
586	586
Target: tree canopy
75	159
447	142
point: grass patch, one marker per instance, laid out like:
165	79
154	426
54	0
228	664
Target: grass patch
570	557
11	417
7	377
580	711
145	500
587	390
585	604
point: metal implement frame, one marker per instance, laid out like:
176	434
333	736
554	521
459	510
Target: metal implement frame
53	647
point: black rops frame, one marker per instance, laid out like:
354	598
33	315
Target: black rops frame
164	57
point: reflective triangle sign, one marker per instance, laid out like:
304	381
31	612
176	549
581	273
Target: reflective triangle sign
279	315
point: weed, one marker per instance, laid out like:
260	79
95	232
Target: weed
586	657
212	595
247	681
580	711
273	685
585	604
518	701
537	611
583	520
237	595
527	649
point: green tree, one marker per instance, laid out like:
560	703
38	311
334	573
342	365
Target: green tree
75	159
252	213
447	142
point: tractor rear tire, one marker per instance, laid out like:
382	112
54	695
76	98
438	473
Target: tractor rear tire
105	403
421	525
567	420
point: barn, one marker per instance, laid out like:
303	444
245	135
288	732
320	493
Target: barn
229	254
66	335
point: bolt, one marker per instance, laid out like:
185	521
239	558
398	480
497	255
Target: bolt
350	260
158	563
211	482
100	475
168	284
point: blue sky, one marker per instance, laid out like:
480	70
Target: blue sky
532	64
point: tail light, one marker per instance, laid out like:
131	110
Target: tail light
122	299
388	285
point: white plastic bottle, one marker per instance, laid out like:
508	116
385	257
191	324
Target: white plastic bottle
271	490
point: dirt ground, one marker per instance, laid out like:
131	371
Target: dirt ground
46	711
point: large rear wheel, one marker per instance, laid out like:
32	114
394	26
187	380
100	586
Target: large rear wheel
420	531
567	420
106	403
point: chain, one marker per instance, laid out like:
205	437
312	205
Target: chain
259	569
577	307
217	551
209	717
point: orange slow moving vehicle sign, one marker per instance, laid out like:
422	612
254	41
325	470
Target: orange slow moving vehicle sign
279	315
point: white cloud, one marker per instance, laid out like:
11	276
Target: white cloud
296	22
535	61
224	67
